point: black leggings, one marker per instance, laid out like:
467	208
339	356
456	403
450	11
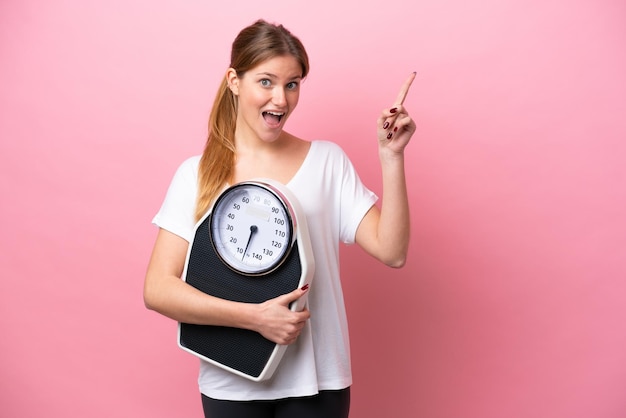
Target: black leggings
326	404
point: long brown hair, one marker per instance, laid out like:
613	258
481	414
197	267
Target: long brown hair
254	44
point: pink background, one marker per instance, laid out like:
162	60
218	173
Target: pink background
513	301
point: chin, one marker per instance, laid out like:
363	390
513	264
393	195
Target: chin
271	136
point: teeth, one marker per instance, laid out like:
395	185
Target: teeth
275	113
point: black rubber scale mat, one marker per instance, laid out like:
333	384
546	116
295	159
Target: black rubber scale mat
245	351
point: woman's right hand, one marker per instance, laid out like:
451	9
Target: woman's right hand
277	322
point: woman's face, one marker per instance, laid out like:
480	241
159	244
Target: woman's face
266	96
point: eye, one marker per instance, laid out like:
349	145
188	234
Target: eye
292	86
265	82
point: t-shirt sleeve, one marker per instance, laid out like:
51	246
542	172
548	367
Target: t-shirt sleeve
356	201
176	214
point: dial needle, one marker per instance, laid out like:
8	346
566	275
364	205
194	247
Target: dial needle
253	229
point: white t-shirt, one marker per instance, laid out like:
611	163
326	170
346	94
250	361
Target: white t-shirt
334	201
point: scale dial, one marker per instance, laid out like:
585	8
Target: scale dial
252	227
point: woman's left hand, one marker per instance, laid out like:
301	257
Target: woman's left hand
395	126
384	232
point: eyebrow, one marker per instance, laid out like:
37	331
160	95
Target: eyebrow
270	75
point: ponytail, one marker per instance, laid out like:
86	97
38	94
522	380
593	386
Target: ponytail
218	159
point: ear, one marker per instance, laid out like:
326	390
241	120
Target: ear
233	81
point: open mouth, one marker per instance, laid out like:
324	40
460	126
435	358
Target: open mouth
273	118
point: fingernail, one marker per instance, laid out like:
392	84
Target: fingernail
394	110
305	287
386	125
395	129
389	135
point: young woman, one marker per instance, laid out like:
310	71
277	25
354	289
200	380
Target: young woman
247	140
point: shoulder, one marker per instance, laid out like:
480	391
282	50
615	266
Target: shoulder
190	163
332	154
329	148
189	167
186	174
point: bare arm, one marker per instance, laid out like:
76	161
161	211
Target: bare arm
384	233
166	293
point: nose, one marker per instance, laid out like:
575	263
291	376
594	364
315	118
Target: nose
278	97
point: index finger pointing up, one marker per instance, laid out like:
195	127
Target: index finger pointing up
405	88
